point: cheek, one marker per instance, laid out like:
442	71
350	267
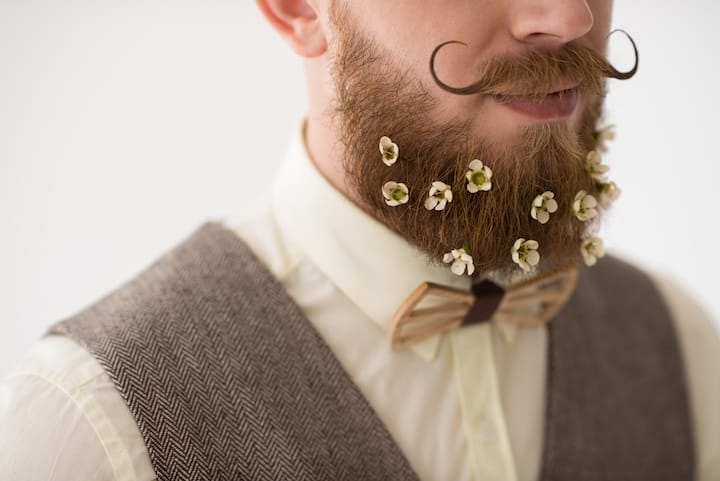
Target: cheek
602	19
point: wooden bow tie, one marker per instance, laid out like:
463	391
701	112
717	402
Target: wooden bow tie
530	303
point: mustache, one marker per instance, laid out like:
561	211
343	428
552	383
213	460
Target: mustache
538	73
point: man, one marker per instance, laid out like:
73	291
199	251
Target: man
316	355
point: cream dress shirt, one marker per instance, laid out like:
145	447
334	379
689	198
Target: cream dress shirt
466	405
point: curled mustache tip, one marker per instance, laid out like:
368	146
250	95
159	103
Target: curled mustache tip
453	90
615	73
477	87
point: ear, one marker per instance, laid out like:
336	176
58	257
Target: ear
298	22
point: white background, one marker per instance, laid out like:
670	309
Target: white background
124	125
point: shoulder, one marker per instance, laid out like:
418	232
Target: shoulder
62	419
700	342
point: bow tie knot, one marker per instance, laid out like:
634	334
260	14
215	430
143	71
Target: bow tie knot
433	309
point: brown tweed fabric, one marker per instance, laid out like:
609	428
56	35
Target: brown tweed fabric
617	402
227	380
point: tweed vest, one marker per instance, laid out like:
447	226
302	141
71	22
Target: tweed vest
228	380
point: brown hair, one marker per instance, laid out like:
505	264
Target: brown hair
374	99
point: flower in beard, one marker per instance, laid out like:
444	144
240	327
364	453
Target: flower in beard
542	206
592	249
461	260
478	177
585	206
595	166
525	254
395	193
603	135
440	195
389	150
609	192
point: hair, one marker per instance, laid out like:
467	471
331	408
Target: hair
375	99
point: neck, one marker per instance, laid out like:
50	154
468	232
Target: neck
322	131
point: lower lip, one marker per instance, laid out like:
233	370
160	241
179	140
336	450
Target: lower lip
554	106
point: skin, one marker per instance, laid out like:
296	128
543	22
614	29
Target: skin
410	29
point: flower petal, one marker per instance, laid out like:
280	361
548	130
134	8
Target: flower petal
533	258
551	205
458	268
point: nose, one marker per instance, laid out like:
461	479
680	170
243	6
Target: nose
550	23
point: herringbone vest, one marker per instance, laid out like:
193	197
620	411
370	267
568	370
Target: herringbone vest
228	380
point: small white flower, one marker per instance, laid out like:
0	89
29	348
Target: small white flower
592	249
595	166
525	254
460	260
584	206
440	195
542	206
389	150
478	177
603	136
609	192
395	193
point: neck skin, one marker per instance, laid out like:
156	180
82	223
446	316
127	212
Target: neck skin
322	136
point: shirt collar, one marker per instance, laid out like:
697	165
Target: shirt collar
372	265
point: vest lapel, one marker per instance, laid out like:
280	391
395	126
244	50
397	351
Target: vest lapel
617	406
225	376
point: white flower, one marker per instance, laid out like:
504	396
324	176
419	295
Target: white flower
478	177
389	150
595	167
440	195
525	254
603	135
395	193
584	206
460	260
609	192
542	206
592	249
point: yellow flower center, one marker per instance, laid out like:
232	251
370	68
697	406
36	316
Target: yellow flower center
397	194
478	178
389	153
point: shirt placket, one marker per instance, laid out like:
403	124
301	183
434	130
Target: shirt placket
483	418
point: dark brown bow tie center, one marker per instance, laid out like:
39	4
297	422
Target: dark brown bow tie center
488	297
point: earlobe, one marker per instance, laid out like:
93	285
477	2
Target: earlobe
298	22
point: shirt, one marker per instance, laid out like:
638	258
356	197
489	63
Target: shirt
464	405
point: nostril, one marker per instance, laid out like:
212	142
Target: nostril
561	21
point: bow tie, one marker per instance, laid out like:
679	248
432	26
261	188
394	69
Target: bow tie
432	309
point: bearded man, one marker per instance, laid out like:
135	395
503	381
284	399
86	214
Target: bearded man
426	298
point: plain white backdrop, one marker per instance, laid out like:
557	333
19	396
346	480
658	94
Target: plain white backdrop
124	125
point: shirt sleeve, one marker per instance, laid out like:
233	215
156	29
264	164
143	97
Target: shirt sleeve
700	343
61	419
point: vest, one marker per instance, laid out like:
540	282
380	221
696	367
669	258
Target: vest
228	380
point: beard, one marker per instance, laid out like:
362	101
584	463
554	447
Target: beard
377	98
